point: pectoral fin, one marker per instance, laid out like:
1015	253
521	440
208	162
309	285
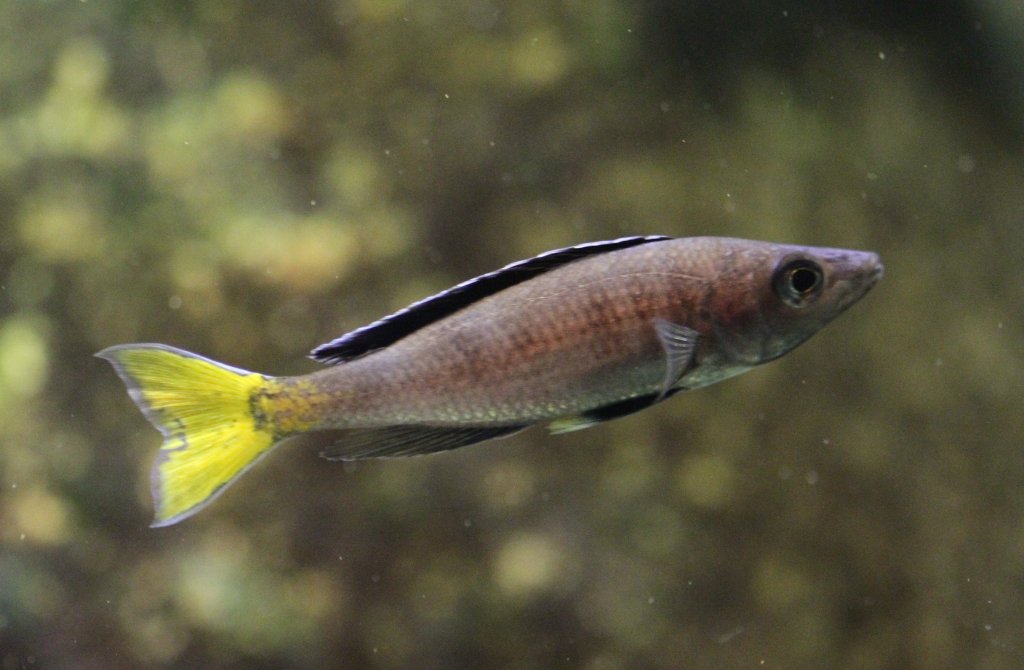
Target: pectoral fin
680	344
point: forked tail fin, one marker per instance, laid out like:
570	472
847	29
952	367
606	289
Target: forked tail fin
205	411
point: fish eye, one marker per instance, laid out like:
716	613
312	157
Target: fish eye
798	282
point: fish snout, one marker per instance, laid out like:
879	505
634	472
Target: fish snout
878	270
861	269
853	274
869	270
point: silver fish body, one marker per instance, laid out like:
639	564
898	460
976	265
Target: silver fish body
582	339
572	338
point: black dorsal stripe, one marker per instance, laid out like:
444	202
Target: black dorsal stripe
390	329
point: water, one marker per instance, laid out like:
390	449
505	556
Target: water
251	184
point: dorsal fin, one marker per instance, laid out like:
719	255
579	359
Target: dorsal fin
390	329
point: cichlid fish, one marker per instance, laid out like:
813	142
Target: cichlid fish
572	338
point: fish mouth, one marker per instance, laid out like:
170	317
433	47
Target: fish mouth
863	266
859	272
879	270
871	270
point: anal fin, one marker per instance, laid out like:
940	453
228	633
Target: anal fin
408	440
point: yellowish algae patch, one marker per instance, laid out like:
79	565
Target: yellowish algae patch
38	516
706	480
528	563
24	359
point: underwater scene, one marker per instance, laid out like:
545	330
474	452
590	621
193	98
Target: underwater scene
479	334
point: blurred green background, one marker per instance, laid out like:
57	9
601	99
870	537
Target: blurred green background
249	179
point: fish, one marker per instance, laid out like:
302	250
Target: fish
571	338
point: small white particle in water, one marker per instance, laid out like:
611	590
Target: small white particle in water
988	627
999	325
467	523
881	55
650	601
312	203
811	477
785	13
447	97
174	302
22	536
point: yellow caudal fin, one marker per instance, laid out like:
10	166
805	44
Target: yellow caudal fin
205	411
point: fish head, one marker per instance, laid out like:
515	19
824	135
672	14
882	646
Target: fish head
770	297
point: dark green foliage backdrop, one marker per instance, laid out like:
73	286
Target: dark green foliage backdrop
248	179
